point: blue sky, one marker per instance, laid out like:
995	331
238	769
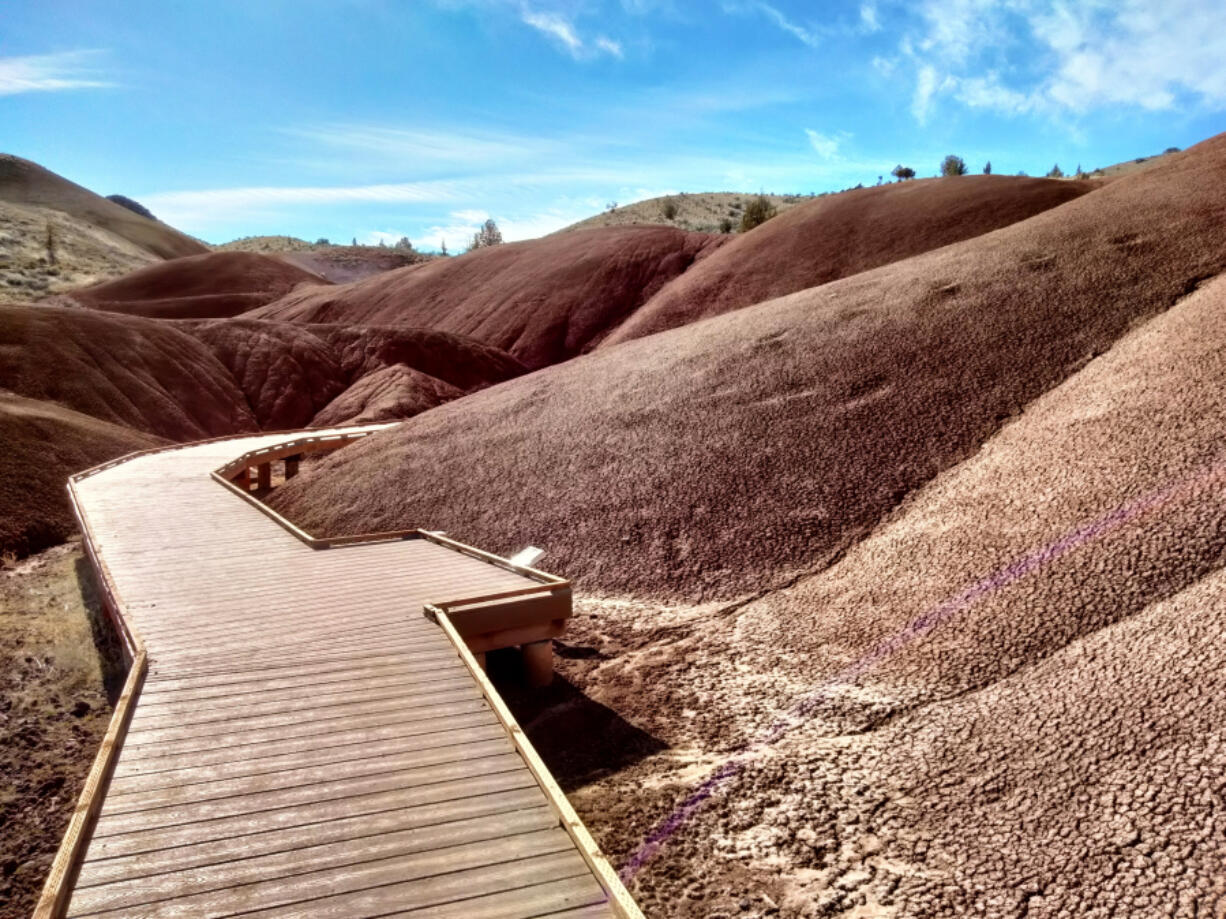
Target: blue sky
376	119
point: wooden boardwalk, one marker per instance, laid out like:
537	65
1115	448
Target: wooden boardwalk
305	741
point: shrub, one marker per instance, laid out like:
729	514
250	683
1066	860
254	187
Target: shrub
668	207
757	212
134	206
953	166
725	225
488	235
902	173
1171	150
322	241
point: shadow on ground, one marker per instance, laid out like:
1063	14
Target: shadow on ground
106	641
580	740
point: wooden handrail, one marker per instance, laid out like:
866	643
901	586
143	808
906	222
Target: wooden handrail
618	897
58	887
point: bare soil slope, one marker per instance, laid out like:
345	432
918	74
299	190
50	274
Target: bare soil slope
1009	697
27	183
706	460
147	375
290	373
1011	690
44	443
214	284
841	235
543	301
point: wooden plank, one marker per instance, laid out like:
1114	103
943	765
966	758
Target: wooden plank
390	759
316	856
451	690
241	745
454	886
364	798
578	897
208	813
350	828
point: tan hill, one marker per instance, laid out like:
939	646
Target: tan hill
840	235
542	301
26	183
56	235
211	285
338	264
80	253
1002	634
703	212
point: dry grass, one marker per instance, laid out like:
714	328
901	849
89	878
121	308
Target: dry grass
83	254
702	212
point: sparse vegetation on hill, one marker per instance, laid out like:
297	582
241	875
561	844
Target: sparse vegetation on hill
757	212
700	212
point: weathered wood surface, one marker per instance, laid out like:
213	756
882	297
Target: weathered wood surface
306	743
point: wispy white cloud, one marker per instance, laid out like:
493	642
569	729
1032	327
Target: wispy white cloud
1069	58
423	148
65	70
556	27
803	34
826	146
869	21
564	33
608	46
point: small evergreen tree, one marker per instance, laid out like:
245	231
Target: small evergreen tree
403	243
987	168
902	173
355	241
443	249
51	256
953	166
1056	172
488	235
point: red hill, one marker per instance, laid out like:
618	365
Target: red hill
710	458
842	235
543	301
141	373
